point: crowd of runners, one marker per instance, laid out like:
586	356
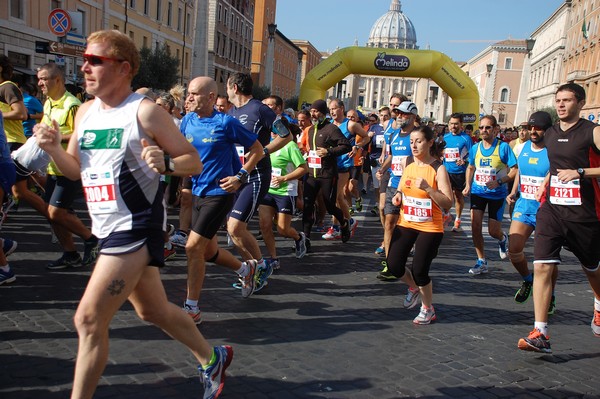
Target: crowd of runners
223	157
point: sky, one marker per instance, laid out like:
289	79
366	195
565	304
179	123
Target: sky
459	28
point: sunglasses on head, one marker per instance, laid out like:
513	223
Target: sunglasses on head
485	127
95	60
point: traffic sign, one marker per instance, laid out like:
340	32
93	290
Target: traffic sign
66	49
591	117
59	22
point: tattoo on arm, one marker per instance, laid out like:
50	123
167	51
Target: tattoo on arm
116	287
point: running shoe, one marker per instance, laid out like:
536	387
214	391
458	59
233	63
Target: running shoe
524	292
456	228
363	191
249	280
8	246
65	261
301	246
596	323
385	274
7	277
179	239
213	377
274	263
358	204
169	254
170	229
262	275
194	313
479	268
332	234
411	299
375	211
353	226
447	221
318	228
352	211
502	250
536	342
412	252
308	246
346	231
380	251
552	307
426	316
90	251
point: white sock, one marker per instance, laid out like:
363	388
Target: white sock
5	268
192	304
597	304
541	327
243	270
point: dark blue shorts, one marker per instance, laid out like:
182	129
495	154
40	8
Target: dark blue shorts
283	203
7	176
248	197
126	242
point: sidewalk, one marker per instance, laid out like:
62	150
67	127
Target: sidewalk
324	327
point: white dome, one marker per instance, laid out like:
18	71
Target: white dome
393	30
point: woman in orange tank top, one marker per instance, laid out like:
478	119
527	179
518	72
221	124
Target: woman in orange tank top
424	192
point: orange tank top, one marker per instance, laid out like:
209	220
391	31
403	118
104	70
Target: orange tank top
418	210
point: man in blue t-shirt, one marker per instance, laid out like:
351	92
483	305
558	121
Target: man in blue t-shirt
492	164
456	158
214	135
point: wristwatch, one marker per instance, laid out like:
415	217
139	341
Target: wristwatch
169	164
581	172
266	151
242	176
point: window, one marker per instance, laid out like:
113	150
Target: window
179	18
145	41
146	6
16	9
116	27
501	118
188	18
169	14
504	95
508	63
131	35
132	4
158	10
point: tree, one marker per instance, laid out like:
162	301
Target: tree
552	112
158	69
292	103
261	92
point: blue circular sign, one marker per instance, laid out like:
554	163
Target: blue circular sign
591	117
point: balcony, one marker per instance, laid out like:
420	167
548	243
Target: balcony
576	75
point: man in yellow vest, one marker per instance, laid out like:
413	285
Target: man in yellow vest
60	108
12	106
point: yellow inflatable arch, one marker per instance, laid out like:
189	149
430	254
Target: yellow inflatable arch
397	63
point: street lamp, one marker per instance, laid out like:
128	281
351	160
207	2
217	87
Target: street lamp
529	43
185	23
272	28
489	68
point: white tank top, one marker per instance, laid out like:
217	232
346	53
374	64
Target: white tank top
121	190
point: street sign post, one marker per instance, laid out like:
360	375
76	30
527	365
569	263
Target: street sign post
66	49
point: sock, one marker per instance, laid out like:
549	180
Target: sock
213	359
541	327
504	238
261	264
191	303
5	268
413	289
529	279
597	304
483	260
243	270
168	245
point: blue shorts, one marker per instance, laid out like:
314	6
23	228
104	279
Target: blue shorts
7	176
126	242
283	203
524	215
495	206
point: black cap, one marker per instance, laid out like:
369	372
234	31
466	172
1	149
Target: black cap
540	119
320	105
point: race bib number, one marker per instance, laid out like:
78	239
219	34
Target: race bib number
565	193
484	175
451	154
379	141
529	186
314	161
99	188
240	152
397	165
275	172
417	210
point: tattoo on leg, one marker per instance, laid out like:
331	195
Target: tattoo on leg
116	287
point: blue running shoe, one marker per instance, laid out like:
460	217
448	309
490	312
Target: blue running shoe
7	277
213	377
262	275
8	246
502	249
479	268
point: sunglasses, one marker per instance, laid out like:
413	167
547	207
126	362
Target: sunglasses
95	60
486	127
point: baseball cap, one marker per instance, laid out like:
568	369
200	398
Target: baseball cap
320	105
540	119
408	107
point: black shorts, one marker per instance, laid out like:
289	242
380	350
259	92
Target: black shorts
209	213
22	172
61	192
495	206
248	197
283	203
356	172
457	180
186	183
551	233
126	242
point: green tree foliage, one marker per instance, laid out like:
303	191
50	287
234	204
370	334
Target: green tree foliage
292	103
158	70
552	112
261	92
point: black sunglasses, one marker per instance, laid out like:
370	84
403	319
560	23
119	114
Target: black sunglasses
95	60
485	127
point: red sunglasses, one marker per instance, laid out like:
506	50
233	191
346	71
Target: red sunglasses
98	59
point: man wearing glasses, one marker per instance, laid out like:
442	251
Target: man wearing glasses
492	164
125	201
